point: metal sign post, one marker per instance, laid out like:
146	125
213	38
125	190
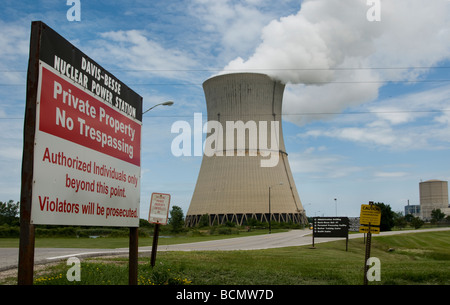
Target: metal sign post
158	214
154	245
370	218
133	256
26	246
367	255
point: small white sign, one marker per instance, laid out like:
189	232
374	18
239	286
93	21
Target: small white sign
159	208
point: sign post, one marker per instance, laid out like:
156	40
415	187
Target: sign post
331	227
26	246
82	138
370	218
158	215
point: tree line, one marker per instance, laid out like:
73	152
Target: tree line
10	225
10	222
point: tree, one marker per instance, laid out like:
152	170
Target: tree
409	217
399	220
416	222
9	212
176	219
204	221
437	215
387	216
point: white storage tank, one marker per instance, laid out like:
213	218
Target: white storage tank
433	195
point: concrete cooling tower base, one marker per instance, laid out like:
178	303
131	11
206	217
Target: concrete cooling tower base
234	184
237	189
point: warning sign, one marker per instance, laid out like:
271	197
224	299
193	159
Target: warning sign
159	208
87	141
370	214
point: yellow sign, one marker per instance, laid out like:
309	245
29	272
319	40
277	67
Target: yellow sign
365	229
370	214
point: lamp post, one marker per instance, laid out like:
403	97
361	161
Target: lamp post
335	203
168	103
270	213
156	231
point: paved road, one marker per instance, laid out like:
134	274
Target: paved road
9	256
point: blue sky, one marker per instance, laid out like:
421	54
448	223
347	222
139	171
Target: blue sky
366	106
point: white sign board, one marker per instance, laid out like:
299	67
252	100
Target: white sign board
87	142
159	208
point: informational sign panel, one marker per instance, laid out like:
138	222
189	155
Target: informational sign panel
159	208
330	226
87	141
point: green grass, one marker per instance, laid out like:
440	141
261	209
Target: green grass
417	259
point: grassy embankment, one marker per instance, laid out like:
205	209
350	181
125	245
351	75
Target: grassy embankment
420	258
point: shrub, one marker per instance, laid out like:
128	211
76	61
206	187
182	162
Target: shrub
416	222
9	231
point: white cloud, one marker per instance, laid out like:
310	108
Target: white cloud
133	50
311	103
234	27
415	34
444	118
320	36
390	174
336	34
11	153
419	120
317	163
394	115
14	42
412	106
378	134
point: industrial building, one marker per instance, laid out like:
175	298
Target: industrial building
245	171
413	210
433	195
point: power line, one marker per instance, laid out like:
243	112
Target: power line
308	83
262	69
273	69
315	82
292	114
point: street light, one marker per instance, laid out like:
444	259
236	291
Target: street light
270	213
168	103
335	202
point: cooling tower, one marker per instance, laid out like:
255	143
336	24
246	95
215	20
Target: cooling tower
246	159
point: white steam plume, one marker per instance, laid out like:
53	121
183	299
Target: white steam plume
329	50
